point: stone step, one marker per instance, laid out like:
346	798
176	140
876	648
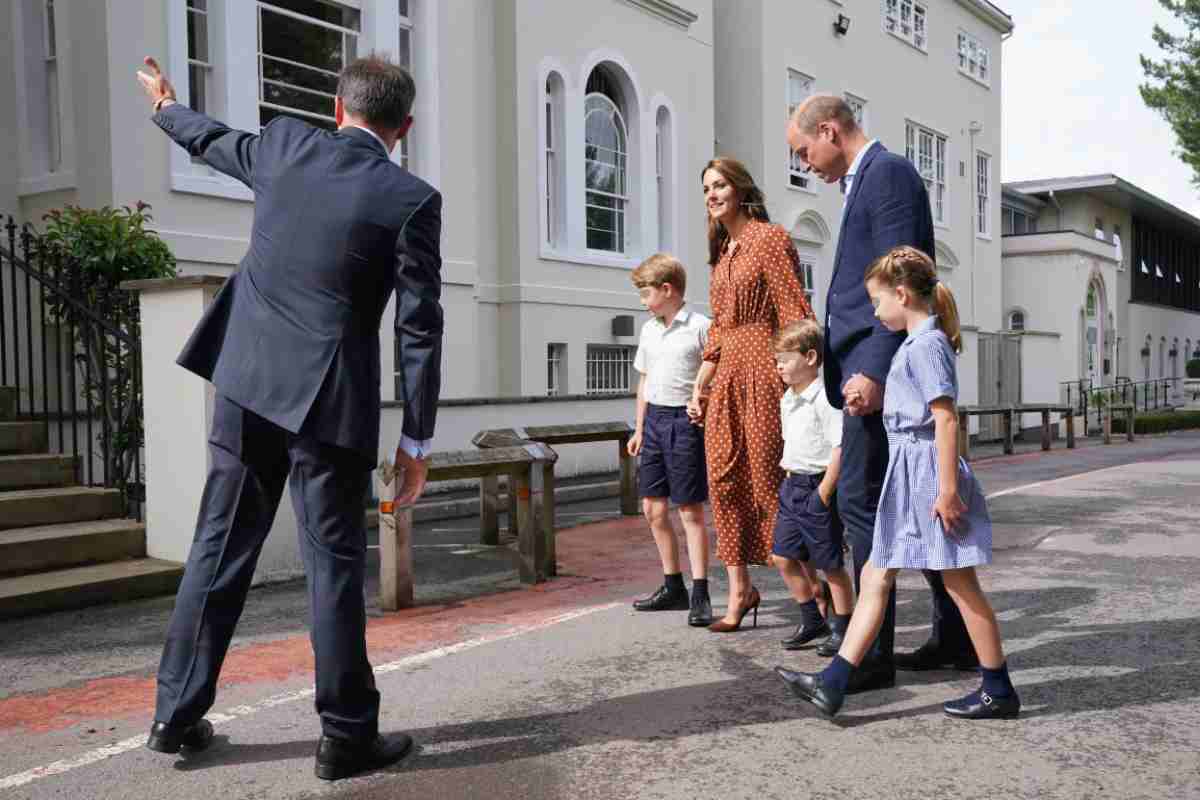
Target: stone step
53	547
23	437
8	403
25	508
36	470
79	587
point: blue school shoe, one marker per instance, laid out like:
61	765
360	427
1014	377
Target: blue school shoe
981	705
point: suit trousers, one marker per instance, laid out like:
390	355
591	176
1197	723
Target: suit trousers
864	464
251	459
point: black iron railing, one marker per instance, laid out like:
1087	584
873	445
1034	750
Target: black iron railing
71	346
1089	398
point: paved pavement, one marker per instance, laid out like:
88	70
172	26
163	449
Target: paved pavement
561	690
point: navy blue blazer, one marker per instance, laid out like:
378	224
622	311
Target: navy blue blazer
888	206
293	335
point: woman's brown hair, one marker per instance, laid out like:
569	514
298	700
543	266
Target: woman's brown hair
915	271
750	200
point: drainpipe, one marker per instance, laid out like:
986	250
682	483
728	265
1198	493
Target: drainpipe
1053	199
974	128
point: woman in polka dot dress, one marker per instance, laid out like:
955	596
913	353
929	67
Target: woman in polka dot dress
754	292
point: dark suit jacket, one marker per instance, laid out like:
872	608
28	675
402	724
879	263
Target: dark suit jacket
888	206
294	334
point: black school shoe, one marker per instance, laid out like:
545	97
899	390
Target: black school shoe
805	634
166	738
981	705
664	599
927	657
700	613
341	758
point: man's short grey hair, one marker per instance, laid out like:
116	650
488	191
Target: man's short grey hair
378	91
823	108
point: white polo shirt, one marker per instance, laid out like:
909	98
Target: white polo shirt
811	429
670	356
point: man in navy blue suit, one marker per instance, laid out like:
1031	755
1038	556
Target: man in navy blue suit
885	205
291	344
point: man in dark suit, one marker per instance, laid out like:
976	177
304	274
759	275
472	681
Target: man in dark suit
291	344
885	205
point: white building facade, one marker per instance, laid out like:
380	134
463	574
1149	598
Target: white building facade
567	138
1103	280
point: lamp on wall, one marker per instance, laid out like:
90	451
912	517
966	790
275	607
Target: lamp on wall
841	24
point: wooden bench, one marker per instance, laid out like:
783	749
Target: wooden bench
535	541
620	432
1007	414
1126	410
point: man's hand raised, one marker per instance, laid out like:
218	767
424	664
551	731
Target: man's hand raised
155	84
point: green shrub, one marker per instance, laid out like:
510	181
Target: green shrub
1193	368
1159	422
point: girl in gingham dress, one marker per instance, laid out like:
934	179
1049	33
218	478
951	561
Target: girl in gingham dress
932	513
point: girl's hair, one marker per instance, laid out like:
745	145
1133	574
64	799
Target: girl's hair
750	200
909	267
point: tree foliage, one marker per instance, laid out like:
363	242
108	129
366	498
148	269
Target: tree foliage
1172	85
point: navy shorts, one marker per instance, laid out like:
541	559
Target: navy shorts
806	529
672	458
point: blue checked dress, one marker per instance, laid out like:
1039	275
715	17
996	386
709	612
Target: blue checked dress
907	535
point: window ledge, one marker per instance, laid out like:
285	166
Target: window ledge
987	237
973	79
908	42
589	258
801	189
213	186
50	182
941	226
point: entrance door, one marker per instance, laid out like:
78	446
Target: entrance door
999	379
1094	365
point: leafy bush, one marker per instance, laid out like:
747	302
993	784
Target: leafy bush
1159	422
1192	368
108	245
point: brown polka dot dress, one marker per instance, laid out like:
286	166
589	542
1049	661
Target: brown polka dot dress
754	292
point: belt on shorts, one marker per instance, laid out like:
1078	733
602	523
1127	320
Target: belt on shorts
791	473
917	435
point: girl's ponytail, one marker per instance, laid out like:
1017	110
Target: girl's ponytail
947	314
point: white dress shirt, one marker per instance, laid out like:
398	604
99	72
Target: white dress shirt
670	356
811	429
848	181
375	136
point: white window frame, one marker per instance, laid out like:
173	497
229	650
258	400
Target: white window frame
807	276
621	198
233	43
42	113
1099	230
798	179
1116	239
983	198
665	172
974	59
604	365
915	136
858	106
556	369
908	21
406	25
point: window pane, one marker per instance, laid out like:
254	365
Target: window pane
403	6
265	115
405	47
299	99
198	88
324	10
296	40
197	36
300	77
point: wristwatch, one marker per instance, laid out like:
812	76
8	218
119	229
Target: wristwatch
158	104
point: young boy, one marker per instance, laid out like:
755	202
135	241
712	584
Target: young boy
670	447
808	532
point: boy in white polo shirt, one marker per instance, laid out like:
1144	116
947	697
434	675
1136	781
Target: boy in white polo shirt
671	448
808	532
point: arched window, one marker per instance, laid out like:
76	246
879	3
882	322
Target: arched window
664	179
554	177
1146	358
1162	357
1016	320
606	153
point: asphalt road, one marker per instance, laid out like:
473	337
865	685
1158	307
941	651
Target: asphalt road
562	691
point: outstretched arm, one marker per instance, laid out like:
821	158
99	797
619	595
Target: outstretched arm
224	149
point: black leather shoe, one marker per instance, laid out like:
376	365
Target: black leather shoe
166	738
700	614
981	705
805	634
871	677
928	657
341	758
664	599
806	686
830	647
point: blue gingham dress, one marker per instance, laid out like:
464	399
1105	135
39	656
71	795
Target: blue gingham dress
907	535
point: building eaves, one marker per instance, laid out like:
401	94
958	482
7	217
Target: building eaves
1083	183
990	13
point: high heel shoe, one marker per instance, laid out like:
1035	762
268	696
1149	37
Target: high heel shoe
721	626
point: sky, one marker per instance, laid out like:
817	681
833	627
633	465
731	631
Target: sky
1071	100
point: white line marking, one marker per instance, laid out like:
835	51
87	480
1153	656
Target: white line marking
230	714
1029	486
